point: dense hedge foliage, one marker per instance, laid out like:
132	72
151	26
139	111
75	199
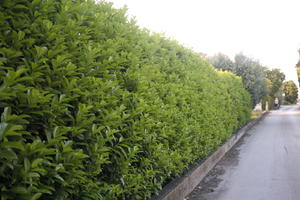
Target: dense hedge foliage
92	107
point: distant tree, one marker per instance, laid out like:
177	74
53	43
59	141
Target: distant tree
298	68
249	69
222	62
298	73
291	92
253	76
275	80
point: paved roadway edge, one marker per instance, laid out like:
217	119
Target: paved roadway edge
181	187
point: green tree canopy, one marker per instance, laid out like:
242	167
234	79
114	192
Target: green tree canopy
298	73
253	76
222	62
291	92
276	78
298	68
249	69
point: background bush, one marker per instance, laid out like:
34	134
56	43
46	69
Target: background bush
92	107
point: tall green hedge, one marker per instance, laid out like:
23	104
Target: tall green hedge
92	107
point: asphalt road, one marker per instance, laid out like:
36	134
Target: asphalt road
264	165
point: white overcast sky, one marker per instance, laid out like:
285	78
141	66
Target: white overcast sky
267	30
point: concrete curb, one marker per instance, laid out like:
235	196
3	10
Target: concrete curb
181	187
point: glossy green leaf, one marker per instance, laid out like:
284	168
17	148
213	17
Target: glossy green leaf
3	128
14	145
8	154
36	196
19	190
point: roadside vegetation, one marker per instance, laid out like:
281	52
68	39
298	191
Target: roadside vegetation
290	90
298	68
275	80
249	69
264	84
93	107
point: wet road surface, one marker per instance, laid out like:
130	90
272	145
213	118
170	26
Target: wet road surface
264	165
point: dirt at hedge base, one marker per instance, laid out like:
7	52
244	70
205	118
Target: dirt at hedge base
215	176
